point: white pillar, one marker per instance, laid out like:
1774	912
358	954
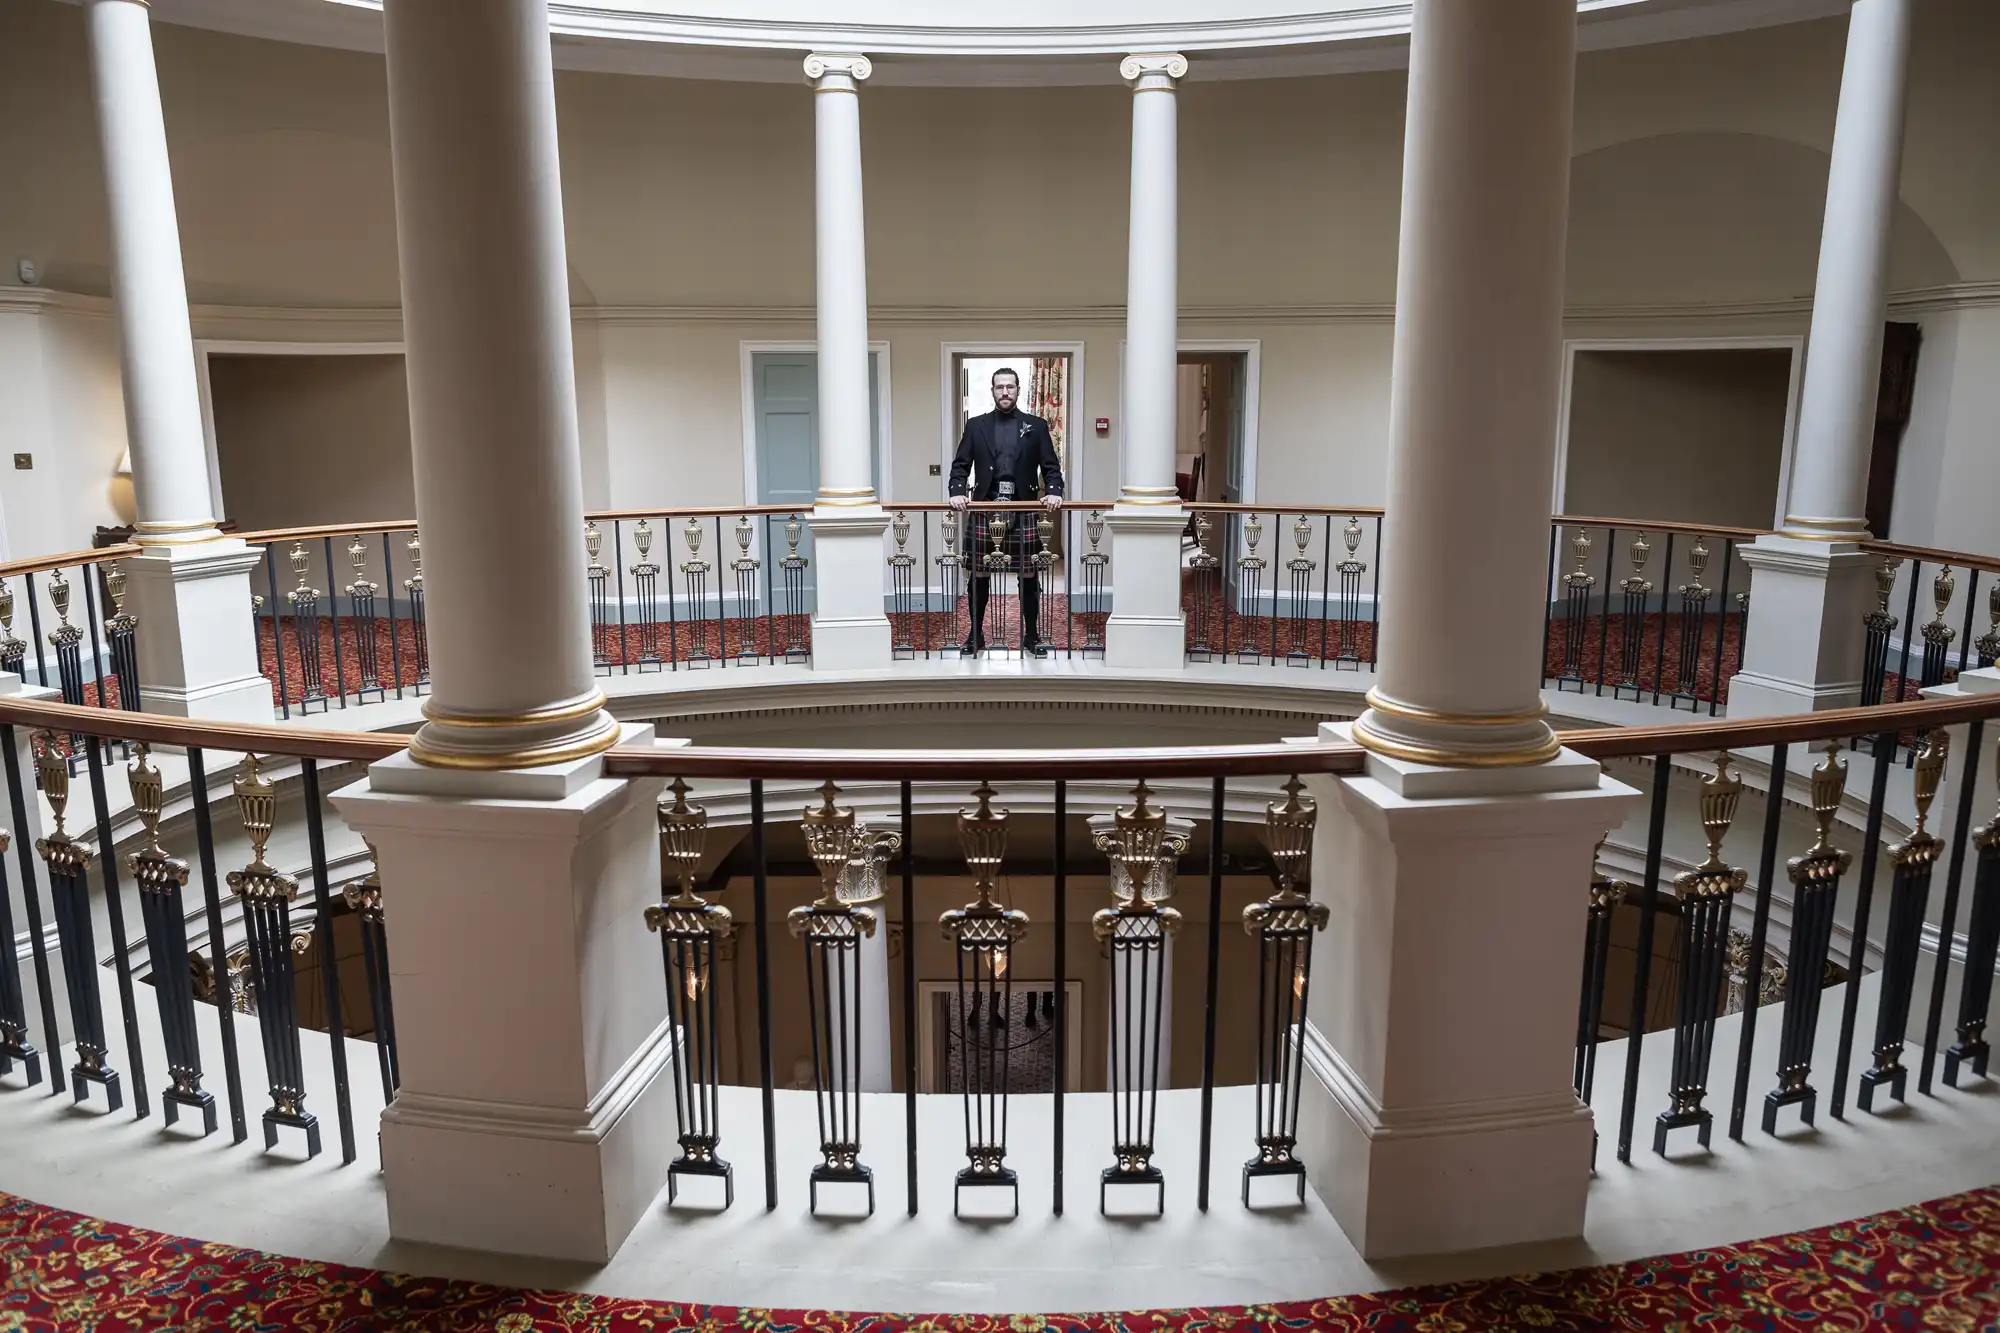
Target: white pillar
1474	385
1145	628
191	589
1442	1020
849	626
529	1005
1809	585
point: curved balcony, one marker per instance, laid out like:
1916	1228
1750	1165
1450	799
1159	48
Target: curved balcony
1794	936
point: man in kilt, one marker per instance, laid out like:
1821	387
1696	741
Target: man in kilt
1005	454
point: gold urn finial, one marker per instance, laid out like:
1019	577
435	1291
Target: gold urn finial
829	834
59	595
1641	551
52	771
1141	833
593	542
1350	535
300	562
642	538
415	547
1302	533
1930	772
1829	785
794	530
1045	530
745	531
7	608
948	525
691	534
1720	795
257	802
1253	532
1579	547
148	797
1943	587
1885	581
1093	527
1288	836
899	527
982	835
114	587
357	556
683	837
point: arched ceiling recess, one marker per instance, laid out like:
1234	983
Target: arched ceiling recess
1047	43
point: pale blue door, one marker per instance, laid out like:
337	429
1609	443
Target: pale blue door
784	392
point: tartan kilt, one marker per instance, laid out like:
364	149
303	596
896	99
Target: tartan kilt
1019	545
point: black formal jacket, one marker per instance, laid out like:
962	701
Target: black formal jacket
1037	472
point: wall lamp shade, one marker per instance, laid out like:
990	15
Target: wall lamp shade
123	502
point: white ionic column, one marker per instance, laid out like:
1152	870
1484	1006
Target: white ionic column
1439	1113
1145	628
191	588
530	1014
849	627
1809	584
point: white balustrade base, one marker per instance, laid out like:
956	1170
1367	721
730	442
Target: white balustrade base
1146	628
530	1009
197	641
1437	1112
849	627
1804	646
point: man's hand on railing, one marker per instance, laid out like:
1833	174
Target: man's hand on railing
960	501
1052	502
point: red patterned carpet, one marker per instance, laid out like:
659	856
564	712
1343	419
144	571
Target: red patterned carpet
1932	1267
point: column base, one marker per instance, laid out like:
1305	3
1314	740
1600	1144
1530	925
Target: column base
850	631
1442	1029
515	1178
197	642
1146	627
1803	651
1440	1179
531	1019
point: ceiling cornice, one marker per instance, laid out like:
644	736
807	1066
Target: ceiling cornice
914	46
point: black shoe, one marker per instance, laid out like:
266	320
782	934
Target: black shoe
1038	649
972	648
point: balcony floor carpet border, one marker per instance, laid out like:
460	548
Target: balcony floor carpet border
1935	1266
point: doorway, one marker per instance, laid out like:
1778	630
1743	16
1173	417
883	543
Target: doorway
1050	376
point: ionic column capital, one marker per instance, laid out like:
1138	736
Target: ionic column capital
836	70
1153	70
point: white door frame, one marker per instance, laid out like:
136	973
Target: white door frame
749	347
1795	343
1072	408
1253	377
205	347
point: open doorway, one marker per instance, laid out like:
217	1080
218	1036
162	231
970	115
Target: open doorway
1211	421
1689	432
1048	371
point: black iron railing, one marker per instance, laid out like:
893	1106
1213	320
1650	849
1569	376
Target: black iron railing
1689	948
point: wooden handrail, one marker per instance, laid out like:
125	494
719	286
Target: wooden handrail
63	559
1650	525
936	765
1738	733
159	729
1935	555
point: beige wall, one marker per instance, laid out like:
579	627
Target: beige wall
1698	185
1678	436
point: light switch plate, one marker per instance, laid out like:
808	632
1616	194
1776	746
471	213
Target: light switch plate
937	469
24	462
